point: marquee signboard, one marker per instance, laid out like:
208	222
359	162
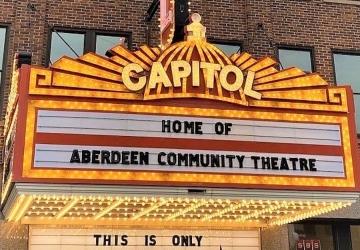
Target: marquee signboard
125	151
42	238
187	115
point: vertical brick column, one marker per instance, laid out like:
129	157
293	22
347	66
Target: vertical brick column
13	236
275	238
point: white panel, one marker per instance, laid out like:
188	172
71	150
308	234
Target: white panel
84	239
50	239
55	156
117	124
45	247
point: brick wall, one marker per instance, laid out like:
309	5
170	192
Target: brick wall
13	236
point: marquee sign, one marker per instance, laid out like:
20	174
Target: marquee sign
135	239
187	115
147	153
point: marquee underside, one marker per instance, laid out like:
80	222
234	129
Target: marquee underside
164	207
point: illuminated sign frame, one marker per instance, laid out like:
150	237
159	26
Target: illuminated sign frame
182	178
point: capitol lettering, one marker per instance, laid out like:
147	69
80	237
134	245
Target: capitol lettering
181	70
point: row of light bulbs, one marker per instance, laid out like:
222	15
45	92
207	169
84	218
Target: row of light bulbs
199	203
52	198
162	209
311	213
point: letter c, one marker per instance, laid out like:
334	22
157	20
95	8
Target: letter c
133	86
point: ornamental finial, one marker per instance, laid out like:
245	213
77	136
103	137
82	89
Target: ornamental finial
195	30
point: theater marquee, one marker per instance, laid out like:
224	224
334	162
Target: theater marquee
139	239
187	137
188	115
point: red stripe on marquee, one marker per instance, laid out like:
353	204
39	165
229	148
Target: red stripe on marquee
181	143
